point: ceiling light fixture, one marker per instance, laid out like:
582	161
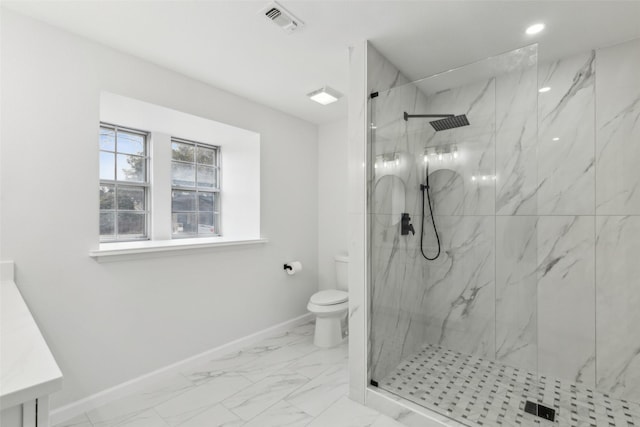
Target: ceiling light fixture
534	29
544	89
325	95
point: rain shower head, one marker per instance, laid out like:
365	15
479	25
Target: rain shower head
450	121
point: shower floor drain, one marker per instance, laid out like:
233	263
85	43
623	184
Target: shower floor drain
480	392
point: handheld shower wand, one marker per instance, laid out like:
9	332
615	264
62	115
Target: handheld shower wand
424	188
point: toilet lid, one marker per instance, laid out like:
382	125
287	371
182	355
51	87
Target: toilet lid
329	297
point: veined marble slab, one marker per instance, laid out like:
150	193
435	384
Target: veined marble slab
618	129
566	298
517	291
617	305
566	173
516	142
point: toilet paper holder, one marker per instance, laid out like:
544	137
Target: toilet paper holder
293	267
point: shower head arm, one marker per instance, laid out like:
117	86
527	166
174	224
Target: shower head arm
408	116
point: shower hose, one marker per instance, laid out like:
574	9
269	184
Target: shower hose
423	189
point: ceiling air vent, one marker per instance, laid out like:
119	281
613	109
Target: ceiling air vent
282	18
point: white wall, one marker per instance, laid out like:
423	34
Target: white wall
107	323
332	199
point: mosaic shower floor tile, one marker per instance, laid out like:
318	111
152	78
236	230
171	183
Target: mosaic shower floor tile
480	392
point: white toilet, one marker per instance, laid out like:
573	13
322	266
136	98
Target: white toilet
331	307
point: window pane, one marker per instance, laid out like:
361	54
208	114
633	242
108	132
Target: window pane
206	177
183	174
131	198
205	202
107	165
185	223
107	220
106	197
183	201
130	143
131	224
131	168
182	152
107	139
206	224
206	156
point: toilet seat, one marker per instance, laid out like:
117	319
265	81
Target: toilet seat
329	297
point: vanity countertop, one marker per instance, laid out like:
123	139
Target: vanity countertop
27	367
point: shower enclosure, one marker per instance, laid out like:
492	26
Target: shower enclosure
482	247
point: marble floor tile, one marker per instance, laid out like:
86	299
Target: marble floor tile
346	413
232	362
320	393
282	414
80	421
198	399
384	421
317	362
283	381
256	398
215	416
130	407
142	419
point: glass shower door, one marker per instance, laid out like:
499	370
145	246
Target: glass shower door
453	253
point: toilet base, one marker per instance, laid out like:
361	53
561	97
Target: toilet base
329	331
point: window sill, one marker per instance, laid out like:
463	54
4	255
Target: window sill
127	250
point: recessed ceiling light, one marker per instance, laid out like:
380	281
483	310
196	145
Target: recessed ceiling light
534	29
325	95
544	89
556	139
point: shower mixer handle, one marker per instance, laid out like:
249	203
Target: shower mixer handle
405	225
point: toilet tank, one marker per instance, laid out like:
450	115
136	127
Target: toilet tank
342	264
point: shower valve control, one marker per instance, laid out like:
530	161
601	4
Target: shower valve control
405	225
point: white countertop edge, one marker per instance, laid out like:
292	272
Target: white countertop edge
28	370
151	246
37	391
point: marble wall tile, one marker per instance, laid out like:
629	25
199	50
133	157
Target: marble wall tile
475	143
397	322
617	302
516	142
566	301
516	291
566	178
458	289
618	129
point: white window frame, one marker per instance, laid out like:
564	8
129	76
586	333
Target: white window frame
239	177
215	191
118	184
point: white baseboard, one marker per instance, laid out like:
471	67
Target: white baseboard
138	384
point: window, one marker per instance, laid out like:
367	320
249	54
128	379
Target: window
124	213
195	185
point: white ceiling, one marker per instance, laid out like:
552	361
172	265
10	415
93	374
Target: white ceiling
229	45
